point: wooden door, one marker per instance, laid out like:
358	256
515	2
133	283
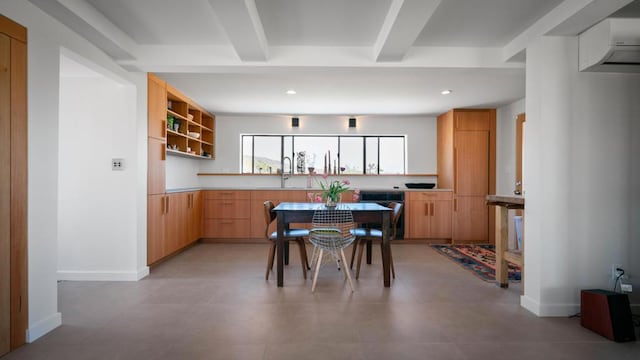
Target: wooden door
441	219
156	107
177	204
157	155
13	185
156	228
470	219
418	216
5	195
471	160
196	216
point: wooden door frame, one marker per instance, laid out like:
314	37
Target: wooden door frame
17	204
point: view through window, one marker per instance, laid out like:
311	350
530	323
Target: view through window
262	154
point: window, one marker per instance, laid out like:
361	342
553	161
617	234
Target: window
262	154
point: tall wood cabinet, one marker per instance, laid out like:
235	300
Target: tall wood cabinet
13	185
467	164
174	220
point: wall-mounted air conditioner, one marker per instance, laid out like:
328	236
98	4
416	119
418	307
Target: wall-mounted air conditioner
612	45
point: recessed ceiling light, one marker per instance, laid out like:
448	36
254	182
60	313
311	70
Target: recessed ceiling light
446	92
291	92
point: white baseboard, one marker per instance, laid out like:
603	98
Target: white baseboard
42	327
548	310
103	275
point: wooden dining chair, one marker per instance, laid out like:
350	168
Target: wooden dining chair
363	236
296	235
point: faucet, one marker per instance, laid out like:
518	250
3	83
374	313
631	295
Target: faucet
285	176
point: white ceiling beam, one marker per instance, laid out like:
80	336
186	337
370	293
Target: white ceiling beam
402	25
241	21
207	58
571	17
89	23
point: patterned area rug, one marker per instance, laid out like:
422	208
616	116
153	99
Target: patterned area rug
479	259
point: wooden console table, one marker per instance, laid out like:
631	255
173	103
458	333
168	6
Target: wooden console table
503	204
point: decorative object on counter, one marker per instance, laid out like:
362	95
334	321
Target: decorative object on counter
300	161
479	259
335	167
332	190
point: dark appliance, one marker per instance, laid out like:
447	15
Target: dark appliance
385	198
608	314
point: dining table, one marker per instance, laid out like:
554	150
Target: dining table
371	213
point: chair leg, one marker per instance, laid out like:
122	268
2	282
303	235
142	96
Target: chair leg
303	256
270	256
353	252
315	275
361	247
393	269
306	258
346	269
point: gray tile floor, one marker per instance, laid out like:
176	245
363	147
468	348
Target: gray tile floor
212	302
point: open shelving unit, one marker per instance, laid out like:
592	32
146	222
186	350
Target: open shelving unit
190	129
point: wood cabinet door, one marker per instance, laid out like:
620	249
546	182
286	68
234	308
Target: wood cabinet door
471	163
195	216
418	219
441	215
156	228
177	204
156	166
156	108
471	219
473	119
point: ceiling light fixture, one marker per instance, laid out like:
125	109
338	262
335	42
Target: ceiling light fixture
446	92
291	92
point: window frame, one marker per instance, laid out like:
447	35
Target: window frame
337	137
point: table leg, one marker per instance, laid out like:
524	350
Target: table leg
286	252
502	270
386	249
280	250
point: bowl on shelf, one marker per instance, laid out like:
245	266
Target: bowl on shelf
193	134
420	185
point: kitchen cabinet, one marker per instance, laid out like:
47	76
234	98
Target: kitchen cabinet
156	228
174	221
466	164
258	197
428	214
227	214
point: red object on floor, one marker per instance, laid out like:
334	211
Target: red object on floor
608	314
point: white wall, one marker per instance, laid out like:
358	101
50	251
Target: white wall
181	172
506	145
46	37
420	131
580	177
96	206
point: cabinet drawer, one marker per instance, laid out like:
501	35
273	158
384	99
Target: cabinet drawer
227	195
227	209
429	195
227	228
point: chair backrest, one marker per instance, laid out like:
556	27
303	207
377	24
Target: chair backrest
331	228
269	216
397	211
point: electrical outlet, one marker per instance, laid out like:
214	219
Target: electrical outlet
614	271
117	164
626	288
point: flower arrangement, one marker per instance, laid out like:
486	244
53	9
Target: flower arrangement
331	190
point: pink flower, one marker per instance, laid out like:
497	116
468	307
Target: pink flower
318	198
356	191
346	182
356	197
325	175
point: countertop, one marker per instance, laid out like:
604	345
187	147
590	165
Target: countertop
296	188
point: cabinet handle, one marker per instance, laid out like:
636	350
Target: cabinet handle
163	207
164	153
433	209
426	209
227	203
190	201
226	222
455	204
167	204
